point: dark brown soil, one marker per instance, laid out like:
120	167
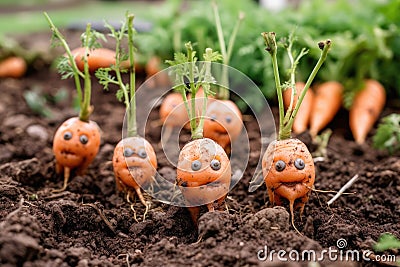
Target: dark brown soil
90	224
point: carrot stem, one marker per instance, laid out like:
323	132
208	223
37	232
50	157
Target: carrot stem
87	90
76	72
270	42
196	134
132	126
324	46
226	52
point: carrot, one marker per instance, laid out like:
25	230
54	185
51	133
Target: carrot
289	172
203	174
287	165
75	145
223	122
97	58
302	119
327	102
172	114
77	141
366	108
153	66
134	162
172	111
203	169
134	159
13	67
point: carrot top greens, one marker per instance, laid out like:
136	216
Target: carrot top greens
187	72
286	120
126	92
68	68
226	52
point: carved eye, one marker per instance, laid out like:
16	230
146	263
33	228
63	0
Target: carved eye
280	165
142	153
196	165
128	152
228	119
213	117
215	164
84	139
299	163
67	135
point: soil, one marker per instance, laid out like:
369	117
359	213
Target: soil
91	224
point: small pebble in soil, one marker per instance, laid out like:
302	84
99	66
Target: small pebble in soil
37	131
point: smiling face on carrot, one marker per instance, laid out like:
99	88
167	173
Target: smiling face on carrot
223	122
289	172
76	144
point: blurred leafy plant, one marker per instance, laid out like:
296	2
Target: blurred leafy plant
39	102
387	241
387	136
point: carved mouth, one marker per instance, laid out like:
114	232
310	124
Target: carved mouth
292	184
67	153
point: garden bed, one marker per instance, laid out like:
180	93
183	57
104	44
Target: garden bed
90	224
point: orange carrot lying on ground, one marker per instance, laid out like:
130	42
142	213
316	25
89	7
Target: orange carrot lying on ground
77	141
302	119
287	165
327	102
134	159
203	170
97	58
12	67
366	108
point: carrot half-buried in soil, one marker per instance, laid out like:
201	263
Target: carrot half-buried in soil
327	102
77	141
287	165
302	119
365	109
134	159
203	169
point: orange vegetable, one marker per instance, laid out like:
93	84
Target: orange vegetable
289	172
134	164
203	174
97	58
287	165
223	122
327	102
302	119
153	66
172	111
75	145
77	141
366	108
12	67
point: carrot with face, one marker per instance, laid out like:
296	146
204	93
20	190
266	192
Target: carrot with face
134	159
287	165
203	170
77	141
